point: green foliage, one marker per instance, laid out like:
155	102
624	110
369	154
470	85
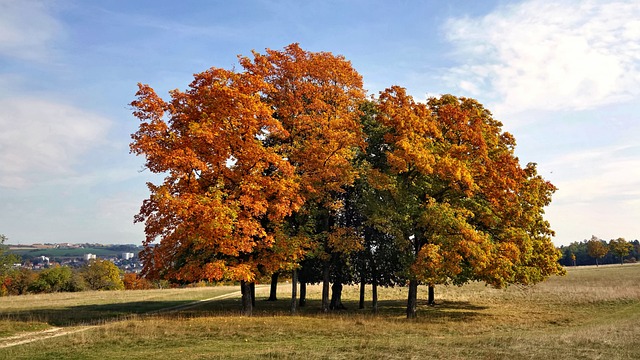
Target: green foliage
58	278
620	247
6	259
102	275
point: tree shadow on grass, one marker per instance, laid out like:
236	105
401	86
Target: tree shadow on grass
449	310
97	314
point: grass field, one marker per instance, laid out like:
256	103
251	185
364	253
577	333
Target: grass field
592	313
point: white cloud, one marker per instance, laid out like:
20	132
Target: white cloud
599	193
27	29
546	55
42	137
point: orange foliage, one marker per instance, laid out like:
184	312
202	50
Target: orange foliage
135	282
241	151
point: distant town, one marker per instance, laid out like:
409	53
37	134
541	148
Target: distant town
44	255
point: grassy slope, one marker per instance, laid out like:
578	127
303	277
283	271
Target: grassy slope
589	314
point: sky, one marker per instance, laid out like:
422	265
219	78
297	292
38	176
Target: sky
562	76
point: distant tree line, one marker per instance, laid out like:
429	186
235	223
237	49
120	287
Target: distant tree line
596	251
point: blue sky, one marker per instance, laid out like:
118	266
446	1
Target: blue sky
563	77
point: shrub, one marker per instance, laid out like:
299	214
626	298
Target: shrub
136	282
17	282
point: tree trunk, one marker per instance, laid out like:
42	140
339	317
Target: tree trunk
252	287
596	262
325	287
374	296
362	289
412	300
294	288
336	296
303	294
432	296
274	287
245	289
374	288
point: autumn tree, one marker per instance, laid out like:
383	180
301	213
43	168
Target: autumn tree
620	247
316	97
102	275
597	248
225	191
460	202
242	152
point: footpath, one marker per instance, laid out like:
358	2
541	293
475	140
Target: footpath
30	337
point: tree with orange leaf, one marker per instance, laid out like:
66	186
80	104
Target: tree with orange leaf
242	152
316	97
226	190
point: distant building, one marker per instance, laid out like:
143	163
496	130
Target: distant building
88	257
127	256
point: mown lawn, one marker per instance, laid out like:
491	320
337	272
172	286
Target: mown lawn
592	313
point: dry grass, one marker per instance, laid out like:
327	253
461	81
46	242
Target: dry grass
589	314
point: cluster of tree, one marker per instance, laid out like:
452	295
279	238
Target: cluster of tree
596	251
95	275
285	165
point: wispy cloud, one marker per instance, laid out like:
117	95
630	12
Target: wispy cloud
41	137
27	29
545	55
592	175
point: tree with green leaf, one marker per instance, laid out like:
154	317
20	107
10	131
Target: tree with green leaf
620	247
102	275
57	278
7	259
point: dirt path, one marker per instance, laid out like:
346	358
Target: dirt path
30	337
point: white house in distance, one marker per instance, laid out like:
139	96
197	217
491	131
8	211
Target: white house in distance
88	257
127	256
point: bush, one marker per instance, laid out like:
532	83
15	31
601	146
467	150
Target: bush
17	282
